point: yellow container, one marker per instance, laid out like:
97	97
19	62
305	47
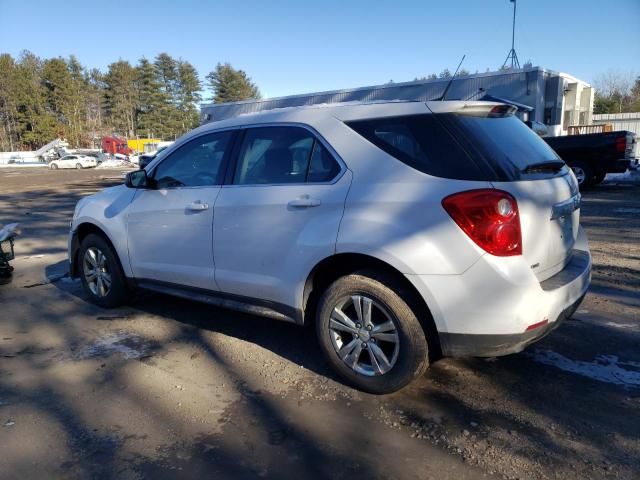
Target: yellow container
142	145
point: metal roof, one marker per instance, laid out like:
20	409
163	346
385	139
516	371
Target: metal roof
505	84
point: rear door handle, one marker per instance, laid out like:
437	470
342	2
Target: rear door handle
197	206
304	201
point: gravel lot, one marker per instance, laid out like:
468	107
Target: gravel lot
167	388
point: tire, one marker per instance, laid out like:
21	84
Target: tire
599	178
403	365
584	174
114	294
53	166
78	166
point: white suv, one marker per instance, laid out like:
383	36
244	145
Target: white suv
403	230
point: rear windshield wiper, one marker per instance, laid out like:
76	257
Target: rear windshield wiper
551	166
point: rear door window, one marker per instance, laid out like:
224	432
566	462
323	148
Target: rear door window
283	155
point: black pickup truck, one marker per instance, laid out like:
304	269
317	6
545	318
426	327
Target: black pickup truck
593	155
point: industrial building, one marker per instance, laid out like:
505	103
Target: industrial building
556	99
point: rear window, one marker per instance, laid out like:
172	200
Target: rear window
464	147
505	141
422	142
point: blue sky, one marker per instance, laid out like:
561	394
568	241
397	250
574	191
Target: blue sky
290	47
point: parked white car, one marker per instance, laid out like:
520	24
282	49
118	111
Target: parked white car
74	161
404	231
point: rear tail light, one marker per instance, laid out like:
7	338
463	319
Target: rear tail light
490	218
621	144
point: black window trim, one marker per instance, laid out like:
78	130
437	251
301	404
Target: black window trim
228	181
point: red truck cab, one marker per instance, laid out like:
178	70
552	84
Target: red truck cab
115	145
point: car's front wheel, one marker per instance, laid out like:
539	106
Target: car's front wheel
78	166
369	333
102	277
53	166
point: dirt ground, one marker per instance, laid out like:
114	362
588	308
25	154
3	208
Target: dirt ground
167	388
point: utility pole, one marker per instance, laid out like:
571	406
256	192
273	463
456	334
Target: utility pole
512	53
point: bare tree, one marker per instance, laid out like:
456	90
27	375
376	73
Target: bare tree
615	86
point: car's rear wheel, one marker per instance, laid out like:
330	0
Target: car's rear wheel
101	273
369	333
584	174
53	166
78	166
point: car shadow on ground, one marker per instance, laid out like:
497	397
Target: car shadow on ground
522	408
295	343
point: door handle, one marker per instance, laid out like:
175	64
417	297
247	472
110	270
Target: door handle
197	206
305	201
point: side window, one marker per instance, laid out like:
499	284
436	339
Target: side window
323	167
280	155
195	164
274	155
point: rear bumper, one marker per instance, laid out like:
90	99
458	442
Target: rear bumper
487	310
619	166
469	345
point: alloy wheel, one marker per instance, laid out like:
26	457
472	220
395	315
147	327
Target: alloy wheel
96	272
364	335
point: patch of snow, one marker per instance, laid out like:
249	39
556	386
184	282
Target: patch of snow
604	368
630	176
128	345
114	163
623	326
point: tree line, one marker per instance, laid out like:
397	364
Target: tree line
44	99
617	92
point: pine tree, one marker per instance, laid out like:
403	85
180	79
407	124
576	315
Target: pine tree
167	76
36	125
66	97
9	135
188	97
121	97
153	101
95	98
231	85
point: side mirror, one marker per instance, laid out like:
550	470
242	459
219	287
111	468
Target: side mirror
137	179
